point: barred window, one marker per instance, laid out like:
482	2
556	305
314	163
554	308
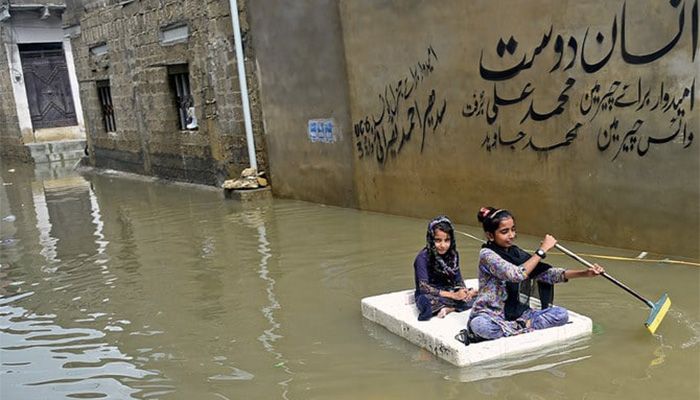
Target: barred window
104	93
180	85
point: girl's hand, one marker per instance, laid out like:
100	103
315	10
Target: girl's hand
596	270
548	242
467	294
460	294
585	273
449	294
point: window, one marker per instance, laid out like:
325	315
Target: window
105	94
39	50
180	84
99	50
175	33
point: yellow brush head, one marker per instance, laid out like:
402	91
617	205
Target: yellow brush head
658	312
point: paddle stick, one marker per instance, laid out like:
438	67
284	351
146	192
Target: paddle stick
658	309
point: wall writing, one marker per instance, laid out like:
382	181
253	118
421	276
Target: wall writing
598	107
403	111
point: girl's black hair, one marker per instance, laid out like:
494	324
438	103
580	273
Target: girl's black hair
491	218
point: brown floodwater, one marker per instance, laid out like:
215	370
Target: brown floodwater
119	288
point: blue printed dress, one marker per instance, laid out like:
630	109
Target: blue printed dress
487	318
429	283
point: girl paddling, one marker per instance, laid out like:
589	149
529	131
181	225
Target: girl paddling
496	312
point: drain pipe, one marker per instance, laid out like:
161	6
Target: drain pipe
243	84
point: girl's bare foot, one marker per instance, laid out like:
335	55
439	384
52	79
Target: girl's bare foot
444	311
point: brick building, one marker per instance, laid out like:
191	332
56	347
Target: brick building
40	111
159	87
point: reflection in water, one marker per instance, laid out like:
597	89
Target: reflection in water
659	354
547	359
43	360
97	221
41	356
43	224
256	219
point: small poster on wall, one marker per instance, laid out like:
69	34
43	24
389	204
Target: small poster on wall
321	130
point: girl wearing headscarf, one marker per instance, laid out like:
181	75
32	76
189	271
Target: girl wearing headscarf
440	288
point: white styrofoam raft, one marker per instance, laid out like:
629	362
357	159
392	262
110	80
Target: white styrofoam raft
397	312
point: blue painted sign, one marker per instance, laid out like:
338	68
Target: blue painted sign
321	130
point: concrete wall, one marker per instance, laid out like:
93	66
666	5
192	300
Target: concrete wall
582	122
301	61
148	139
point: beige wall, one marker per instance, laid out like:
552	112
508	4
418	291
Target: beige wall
633	185
299	51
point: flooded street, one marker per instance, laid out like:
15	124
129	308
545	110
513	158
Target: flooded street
120	288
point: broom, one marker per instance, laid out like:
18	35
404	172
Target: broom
658	309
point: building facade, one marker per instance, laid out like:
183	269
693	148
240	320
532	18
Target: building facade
159	86
40	112
581	117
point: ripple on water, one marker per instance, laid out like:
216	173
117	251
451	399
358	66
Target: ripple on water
87	395
693	326
235	374
41	359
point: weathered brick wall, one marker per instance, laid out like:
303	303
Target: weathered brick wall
74	11
148	139
11	144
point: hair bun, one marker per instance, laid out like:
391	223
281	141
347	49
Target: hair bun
483	213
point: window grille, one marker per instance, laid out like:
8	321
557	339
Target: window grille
180	82
105	94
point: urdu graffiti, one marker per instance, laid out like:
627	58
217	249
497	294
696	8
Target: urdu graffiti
597	109
403	112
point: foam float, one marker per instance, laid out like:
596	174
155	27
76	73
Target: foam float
397	312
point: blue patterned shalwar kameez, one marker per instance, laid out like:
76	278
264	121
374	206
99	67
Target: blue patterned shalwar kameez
487	318
429	283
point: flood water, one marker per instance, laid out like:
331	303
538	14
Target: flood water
119	288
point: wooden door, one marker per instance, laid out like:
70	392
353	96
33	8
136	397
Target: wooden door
47	84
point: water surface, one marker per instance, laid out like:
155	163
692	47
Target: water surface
121	288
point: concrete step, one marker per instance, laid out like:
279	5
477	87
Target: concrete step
62	150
